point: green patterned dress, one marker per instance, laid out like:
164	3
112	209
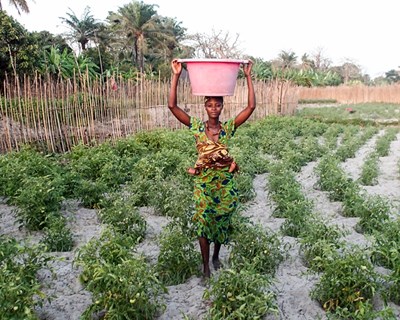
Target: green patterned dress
215	192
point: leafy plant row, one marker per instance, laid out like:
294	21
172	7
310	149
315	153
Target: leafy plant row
375	220
348	280
149	169
369	170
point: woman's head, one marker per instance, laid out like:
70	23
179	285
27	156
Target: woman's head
213	106
219	98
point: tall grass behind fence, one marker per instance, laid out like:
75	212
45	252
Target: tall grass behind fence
353	94
55	115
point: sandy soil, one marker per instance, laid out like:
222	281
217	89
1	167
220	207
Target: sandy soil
292	286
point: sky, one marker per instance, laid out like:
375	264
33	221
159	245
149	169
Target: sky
364	32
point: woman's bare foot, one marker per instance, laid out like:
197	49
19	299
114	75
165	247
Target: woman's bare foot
216	263
207	273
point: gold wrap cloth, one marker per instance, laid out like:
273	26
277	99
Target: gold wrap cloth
212	155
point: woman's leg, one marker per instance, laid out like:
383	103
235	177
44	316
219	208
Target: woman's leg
215	257
205	254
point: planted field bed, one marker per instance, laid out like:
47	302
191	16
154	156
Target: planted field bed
105	231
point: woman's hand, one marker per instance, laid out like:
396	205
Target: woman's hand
176	67
247	68
233	167
193	171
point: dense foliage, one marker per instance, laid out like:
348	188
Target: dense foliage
149	170
136	39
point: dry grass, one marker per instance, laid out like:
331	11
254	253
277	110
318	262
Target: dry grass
353	94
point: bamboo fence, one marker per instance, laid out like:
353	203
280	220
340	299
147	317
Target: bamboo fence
55	115
353	94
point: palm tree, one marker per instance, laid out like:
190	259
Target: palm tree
135	24
81	30
19	5
307	63
288	59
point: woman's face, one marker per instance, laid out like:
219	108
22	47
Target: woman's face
214	106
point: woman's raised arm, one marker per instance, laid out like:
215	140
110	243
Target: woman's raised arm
251	98
180	114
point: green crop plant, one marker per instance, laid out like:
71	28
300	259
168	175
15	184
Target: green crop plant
370	170
284	190
293	158
128	290
398	167
91	172
279	143
393	279
246	150
331	135
110	247
317	101
171	196
386	244
383	143
37	199
90	193
352	141
253	245
375	212
386	252
290	202
239	295
158	173
353	201
348	149
178	258
120	213
365	311
122	284
319	243
349	134
310	148
27	163
332	178
244	183
349	282
89	161
57	235
298	213
20	289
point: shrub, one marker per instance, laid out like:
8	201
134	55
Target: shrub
240	294
20	290
252	245
349	282
120	213
370	170
27	163
128	290
178	259
37	199
374	214
319	243
122	284
57	236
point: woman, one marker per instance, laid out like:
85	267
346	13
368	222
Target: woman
215	192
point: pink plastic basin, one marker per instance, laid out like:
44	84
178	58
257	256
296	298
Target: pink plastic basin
213	77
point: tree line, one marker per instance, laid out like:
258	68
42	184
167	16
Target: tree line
135	40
